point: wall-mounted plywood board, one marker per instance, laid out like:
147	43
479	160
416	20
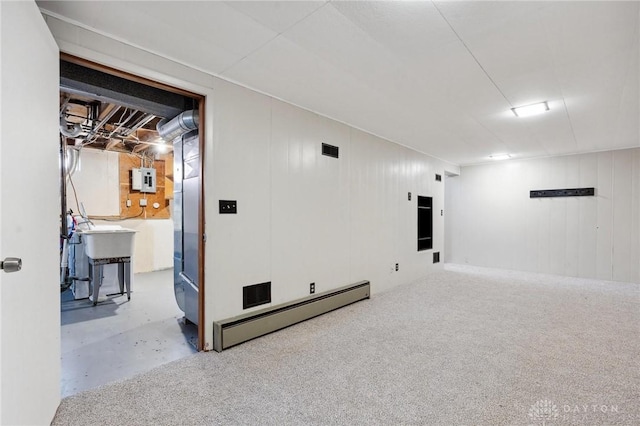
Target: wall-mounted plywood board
127	162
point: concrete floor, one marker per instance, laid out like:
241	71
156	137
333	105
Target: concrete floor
118	339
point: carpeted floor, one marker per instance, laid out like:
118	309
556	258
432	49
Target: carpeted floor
467	346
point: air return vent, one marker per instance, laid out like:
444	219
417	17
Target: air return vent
330	150
255	295
233	331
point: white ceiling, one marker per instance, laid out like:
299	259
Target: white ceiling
439	77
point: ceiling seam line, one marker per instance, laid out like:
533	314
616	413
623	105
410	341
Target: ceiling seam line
560	89
566	110
271	39
472	55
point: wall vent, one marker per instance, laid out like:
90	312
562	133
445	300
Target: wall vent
438	177
436	257
330	150
255	295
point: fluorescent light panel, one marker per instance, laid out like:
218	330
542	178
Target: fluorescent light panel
500	156
529	110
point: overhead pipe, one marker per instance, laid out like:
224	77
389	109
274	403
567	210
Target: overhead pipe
75	130
144	120
122	123
179	125
92	134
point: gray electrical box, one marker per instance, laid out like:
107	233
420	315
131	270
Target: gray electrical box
143	179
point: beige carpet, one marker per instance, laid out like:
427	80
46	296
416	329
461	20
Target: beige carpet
461	347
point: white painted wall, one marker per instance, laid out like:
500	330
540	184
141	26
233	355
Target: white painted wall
494	223
302	217
98	188
97	183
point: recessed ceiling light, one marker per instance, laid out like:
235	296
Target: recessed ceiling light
500	156
529	110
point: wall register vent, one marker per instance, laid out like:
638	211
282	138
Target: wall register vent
330	150
255	295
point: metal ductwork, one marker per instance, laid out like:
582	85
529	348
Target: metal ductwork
179	125
70	133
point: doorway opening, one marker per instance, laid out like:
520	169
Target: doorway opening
131	191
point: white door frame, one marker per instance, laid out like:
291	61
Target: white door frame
201	105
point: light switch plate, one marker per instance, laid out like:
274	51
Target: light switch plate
228	207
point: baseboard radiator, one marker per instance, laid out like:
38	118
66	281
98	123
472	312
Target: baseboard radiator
236	330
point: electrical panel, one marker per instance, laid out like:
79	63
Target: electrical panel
143	179
136	180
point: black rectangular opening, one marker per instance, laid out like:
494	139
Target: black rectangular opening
438	177
425	223
330	150
570	192
256	294
436	257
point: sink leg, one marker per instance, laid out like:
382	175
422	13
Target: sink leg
121	277
127	276
97	282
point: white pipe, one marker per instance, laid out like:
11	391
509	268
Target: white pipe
64	262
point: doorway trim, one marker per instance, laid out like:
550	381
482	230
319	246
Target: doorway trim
201	136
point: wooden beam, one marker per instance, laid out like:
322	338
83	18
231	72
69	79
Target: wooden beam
112	144
140	147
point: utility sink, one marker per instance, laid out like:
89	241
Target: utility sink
108	241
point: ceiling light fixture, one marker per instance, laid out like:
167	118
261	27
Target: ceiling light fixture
529	110
500	156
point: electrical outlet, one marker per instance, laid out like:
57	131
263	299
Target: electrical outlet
312	288
143	202
397	267
128	203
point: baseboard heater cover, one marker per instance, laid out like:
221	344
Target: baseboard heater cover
236	330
